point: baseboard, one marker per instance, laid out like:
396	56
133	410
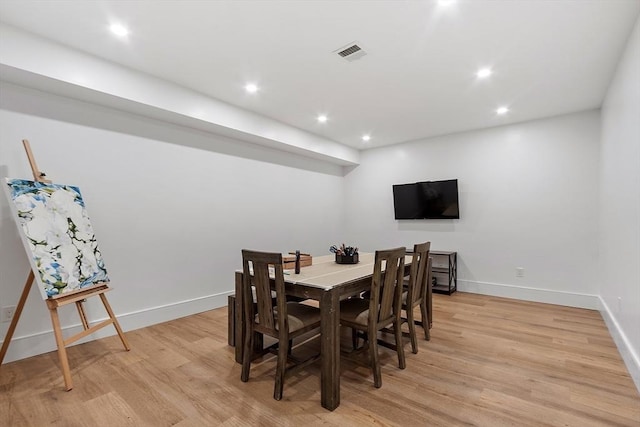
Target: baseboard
43	342
630	357
549	296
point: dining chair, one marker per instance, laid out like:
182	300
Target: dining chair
415	293
381	310
284	321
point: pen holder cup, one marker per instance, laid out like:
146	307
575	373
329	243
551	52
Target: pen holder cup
346	259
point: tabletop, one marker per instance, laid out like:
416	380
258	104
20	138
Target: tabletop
325	273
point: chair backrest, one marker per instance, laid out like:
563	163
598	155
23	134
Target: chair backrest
386	285
255	266
419	274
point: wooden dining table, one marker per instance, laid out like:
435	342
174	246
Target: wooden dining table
326	282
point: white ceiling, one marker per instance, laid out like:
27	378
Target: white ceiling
417	79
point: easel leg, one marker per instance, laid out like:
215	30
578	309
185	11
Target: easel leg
62	351
107	307
16	316
83	316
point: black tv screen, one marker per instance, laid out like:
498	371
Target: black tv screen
426	200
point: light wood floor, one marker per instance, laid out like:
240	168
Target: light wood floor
490	362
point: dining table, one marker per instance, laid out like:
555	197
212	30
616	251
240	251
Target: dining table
328	283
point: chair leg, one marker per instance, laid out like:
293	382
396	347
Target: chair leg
247	354
283	350
412	330
375	361
354	338
258	343
399	347
425	321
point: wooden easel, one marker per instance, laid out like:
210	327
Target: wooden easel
53	303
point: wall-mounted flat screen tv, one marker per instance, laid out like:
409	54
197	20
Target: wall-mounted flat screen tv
426	200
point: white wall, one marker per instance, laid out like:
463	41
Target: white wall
170	219
528	198
619	284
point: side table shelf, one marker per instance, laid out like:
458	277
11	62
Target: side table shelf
444	267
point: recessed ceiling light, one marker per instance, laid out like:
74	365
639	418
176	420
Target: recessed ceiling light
483	73
502	110
251	88
322	118
366	138
119	30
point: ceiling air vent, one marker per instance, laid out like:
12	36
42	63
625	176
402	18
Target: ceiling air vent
351	52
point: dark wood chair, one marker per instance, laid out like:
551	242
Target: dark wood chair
381	310
416	292
284	321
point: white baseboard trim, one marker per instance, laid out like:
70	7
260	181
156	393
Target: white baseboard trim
43	342
549	296
630	357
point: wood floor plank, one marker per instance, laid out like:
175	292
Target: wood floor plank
490	362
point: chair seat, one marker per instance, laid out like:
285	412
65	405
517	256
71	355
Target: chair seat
300	316
355	310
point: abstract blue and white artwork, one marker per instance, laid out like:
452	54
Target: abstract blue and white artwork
57	234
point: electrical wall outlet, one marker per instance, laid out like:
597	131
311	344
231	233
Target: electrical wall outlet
519	272
7	313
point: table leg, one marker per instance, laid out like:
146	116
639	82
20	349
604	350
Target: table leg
330	349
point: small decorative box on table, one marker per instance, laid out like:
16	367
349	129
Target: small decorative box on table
345	254
347	259
289	260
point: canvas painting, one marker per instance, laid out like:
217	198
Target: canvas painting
57	234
